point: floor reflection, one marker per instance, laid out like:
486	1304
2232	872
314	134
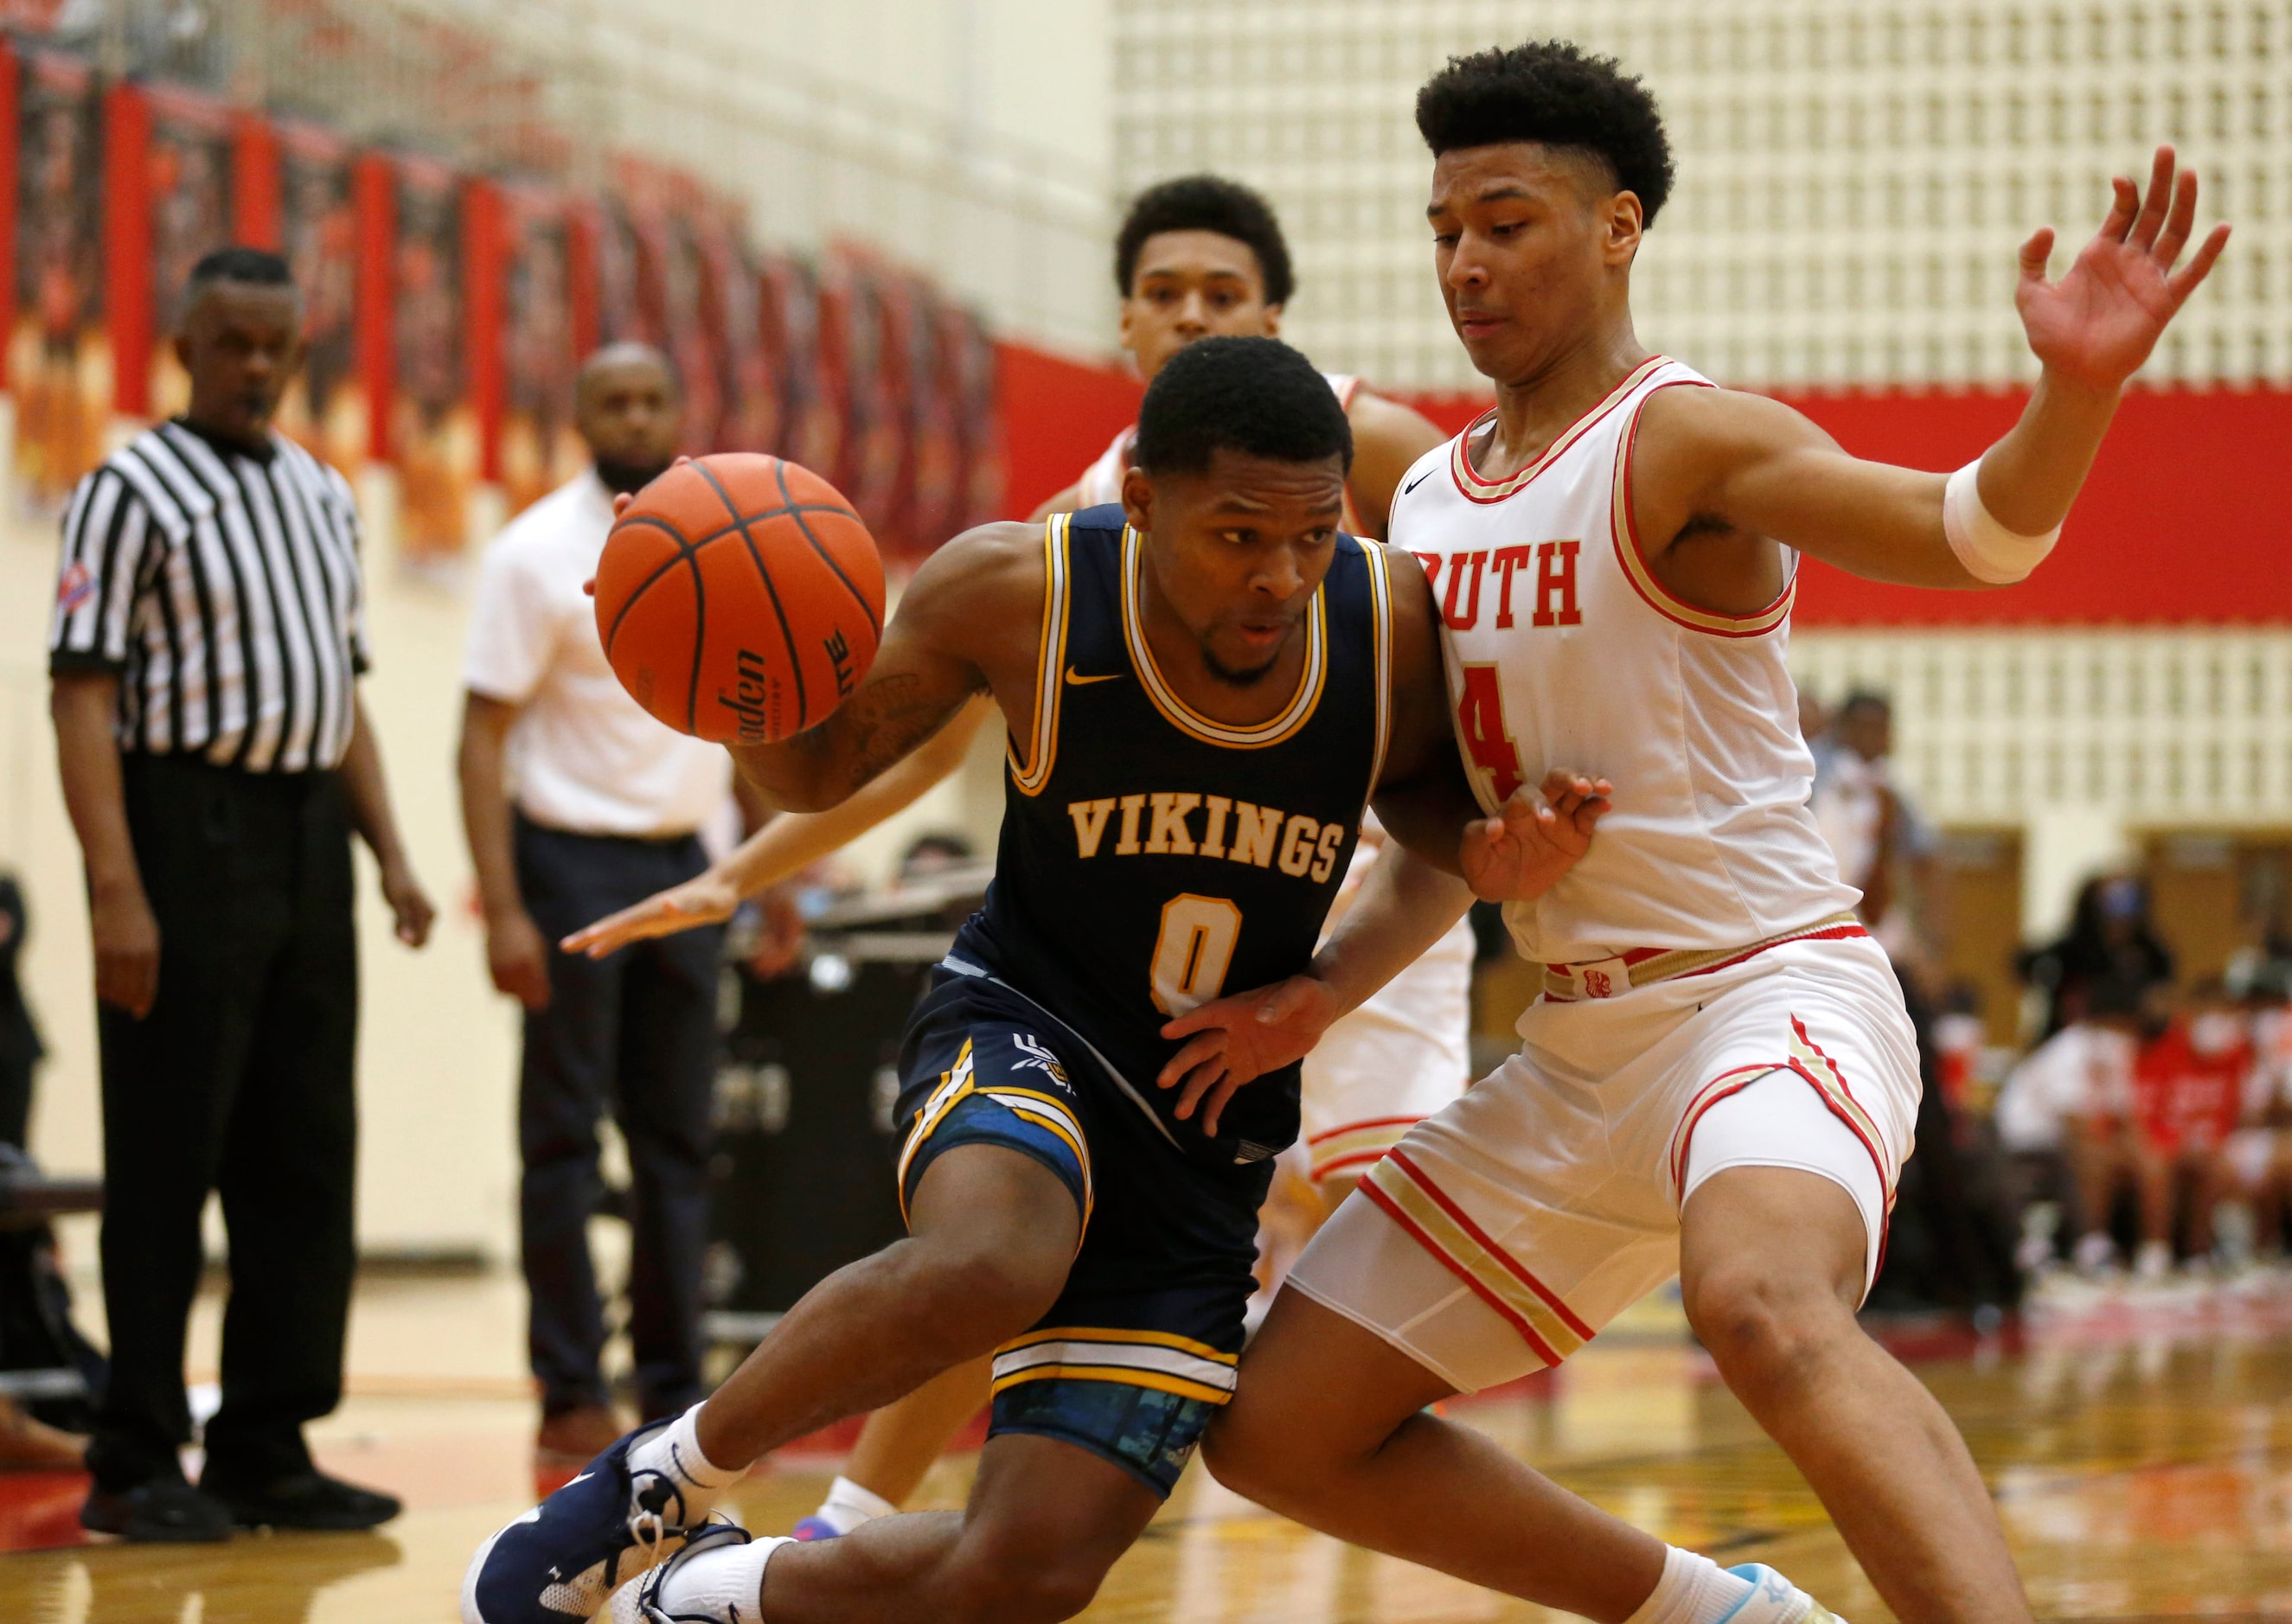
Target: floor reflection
2141	1449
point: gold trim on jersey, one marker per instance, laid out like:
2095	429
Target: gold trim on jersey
1031	775
953	1086
1155	1359
1184	716
1046	1110
1476	488
1381	636
1624	531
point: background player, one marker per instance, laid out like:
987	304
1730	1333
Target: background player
1197	256
1719	1079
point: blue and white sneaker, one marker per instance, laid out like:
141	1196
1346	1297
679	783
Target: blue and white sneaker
645	1602
808	1529
1775	1600
562	1560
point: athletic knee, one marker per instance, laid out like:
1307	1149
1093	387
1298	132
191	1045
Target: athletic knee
974	1291
1766	1328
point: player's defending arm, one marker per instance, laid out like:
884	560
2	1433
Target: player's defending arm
1732	467
967	622
786	847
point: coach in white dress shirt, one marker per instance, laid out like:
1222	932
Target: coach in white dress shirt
577	803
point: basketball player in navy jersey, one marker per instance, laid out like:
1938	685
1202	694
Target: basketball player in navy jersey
1197	256
1203	688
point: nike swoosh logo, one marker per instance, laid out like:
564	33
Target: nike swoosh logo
1078	679
1420	479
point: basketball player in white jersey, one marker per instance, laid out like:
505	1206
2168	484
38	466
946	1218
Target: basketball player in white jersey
1719	1079
1197	256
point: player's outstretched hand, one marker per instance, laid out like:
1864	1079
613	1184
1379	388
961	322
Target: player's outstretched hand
1521	853
2097	324
1237	1040
702	900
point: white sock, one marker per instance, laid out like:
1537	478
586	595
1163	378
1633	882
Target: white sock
1694	1589
849	1506
725	1584
674	1452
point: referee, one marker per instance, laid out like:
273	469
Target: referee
208	633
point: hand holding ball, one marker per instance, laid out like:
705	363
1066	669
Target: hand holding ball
739	598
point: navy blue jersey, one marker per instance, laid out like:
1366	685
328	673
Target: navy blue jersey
1151	858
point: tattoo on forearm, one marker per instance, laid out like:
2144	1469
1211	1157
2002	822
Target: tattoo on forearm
883	722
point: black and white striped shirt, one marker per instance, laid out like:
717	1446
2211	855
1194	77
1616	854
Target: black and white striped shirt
222	586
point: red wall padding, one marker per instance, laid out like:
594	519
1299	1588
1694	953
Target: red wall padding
2187	518
1058	415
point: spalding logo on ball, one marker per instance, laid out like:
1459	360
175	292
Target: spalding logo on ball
739	598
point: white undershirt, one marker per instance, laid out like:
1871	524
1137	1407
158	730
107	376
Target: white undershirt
582	755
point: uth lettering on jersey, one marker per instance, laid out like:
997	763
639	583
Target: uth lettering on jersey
1553	578
1237	831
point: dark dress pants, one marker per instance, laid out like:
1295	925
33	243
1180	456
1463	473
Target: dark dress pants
239	1080
635	1034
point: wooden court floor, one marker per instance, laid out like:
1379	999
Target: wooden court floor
2142	1451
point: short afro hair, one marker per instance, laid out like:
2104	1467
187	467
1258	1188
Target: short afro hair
1206	203
1552	93
1255	396
248	267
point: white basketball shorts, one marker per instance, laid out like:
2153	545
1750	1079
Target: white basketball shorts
1402	1056
1501	1235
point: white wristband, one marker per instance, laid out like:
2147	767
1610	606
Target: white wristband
1990	551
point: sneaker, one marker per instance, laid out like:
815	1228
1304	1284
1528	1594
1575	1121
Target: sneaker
1775	1600
564	1559
641	1602
307	1500
814	1528
165	1511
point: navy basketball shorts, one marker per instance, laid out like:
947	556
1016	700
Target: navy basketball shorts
1139	1351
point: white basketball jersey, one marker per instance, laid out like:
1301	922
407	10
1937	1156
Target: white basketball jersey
1564	651
1101	482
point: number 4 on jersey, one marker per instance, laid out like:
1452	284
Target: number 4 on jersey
1487	741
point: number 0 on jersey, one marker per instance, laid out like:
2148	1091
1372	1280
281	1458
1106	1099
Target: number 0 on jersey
1191	955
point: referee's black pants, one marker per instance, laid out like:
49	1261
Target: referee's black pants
633	1034
240	1081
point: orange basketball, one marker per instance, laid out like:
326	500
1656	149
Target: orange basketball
739	597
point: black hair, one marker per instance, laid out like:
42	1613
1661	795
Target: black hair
1864	699
1252	395
1552	93
251	266
1206	203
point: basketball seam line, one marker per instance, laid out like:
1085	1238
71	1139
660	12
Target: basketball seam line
684	550
687	549
796	511
795	659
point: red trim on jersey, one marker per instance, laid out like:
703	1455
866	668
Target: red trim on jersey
1359	1158
1512	1266
1878	1160
1505	1311
1367	1122
1696	1113
1635	566
1718	1089
1487	491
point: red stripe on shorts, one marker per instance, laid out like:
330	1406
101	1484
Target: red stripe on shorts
1512	1266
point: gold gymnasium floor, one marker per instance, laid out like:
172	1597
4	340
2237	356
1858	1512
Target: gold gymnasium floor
2142	1451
